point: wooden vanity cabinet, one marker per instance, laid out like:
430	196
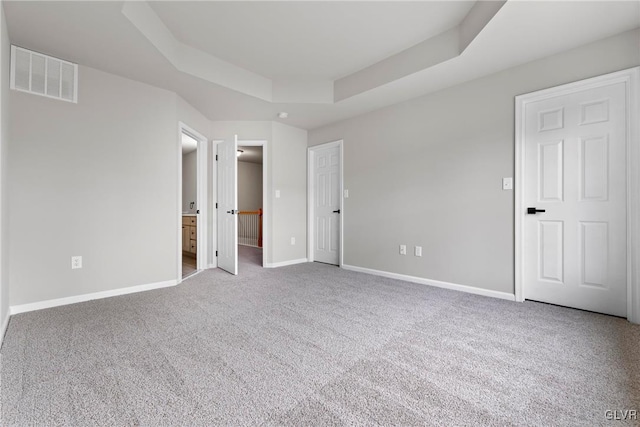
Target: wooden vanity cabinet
189	235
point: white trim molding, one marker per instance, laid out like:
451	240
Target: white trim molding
286	263
311	196
23	308
3	327
631	78
436	283
213	221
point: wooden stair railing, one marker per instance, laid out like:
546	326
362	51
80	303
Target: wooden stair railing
257	228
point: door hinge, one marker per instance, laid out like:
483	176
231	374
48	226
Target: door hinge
216	157
216	253
216	206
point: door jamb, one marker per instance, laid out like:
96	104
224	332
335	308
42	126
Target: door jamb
631	78
201	198
266	213
311	195
213	180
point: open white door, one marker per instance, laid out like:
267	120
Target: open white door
228	206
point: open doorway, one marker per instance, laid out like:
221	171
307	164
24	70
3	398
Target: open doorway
227	160
192	202
250	206
189	227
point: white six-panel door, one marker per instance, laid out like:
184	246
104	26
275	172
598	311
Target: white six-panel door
227	206
575	170
326	204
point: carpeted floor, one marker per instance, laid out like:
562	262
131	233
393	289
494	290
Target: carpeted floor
315	345
248	257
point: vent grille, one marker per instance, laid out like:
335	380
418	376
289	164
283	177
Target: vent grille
43	75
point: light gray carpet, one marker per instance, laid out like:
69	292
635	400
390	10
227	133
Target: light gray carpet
315	345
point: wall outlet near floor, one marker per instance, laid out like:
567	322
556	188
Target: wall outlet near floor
403	249
293	240
76	262
418	251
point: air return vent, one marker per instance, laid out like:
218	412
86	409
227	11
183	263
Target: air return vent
43	75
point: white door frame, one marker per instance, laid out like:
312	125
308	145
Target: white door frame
311	197
213	180
201	198
631	78
266	213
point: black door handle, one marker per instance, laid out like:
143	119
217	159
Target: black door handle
533	211
338	211
232	211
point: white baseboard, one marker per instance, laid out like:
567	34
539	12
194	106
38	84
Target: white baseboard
436	283
23	308
285	263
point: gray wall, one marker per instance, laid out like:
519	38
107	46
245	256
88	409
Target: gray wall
189	181
289	175
96	179
5	55
428	171
249	186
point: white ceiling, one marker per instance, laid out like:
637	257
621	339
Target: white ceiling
307	40
250	154
293	44
189	144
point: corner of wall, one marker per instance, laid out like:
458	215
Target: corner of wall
5	48
3	325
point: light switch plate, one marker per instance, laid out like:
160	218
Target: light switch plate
507	183
277	194
346	194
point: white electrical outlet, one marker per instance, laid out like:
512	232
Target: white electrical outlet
293	240
76	262
403	249
418	250
507	183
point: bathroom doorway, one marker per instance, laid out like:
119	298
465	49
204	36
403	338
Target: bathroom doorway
192	202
